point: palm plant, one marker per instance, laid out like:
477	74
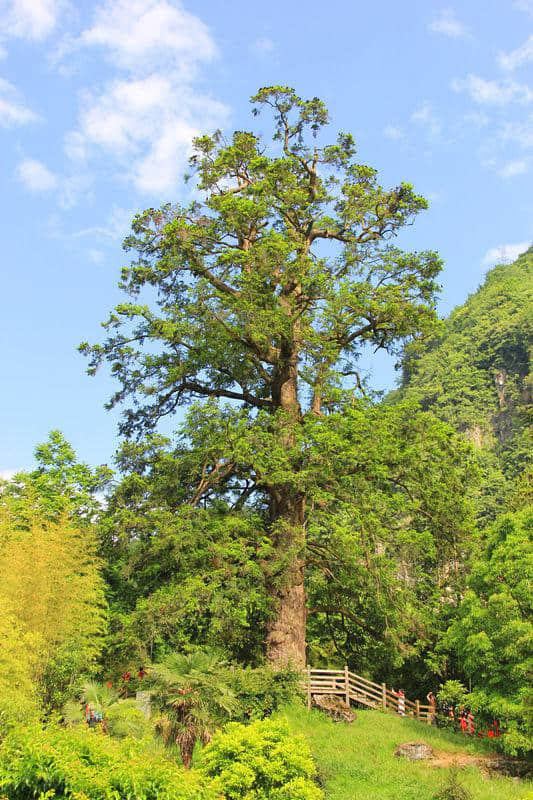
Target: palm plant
193	699
99	696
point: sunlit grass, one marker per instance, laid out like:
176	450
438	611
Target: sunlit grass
357	761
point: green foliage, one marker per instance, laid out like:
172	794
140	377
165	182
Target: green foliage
492	635
50	579
259	692
201	576
261	761
126	720
265	292
476	375
452	693
18	661
59	483
193	697
453	789
54	762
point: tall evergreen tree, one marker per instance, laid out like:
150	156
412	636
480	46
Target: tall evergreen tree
265	291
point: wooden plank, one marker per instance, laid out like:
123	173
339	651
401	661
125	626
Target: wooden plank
366	688
309	688
374	695
365	680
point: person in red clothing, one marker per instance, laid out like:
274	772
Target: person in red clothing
142	673
470	723
463	722
126	676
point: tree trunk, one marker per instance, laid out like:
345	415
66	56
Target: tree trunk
286	640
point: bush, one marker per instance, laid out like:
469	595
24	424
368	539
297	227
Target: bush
125	719
261	691
78	762
261	761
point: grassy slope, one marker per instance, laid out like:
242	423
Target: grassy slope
357	762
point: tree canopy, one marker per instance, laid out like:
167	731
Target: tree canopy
265	291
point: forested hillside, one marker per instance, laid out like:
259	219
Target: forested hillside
476	375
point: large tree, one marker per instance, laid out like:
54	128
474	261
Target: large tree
264	291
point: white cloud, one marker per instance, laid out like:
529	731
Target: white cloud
147	124
393	132
493	92
145	34
426	117
516	58
29	19
36	176
513	168
448	24
145	119
12	111
504	253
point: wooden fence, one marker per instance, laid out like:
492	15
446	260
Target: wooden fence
356	689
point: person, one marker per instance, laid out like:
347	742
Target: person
142	673
470	723
432	702
463	722
401	702
126	676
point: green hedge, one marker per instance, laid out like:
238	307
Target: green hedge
86	765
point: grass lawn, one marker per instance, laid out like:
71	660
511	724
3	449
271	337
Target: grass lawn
357	761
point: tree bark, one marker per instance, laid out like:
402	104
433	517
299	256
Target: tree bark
286	639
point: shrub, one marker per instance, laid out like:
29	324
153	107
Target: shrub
78	762
261	691
261	761
125	719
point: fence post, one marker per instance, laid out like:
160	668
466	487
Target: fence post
308	688
417	704
384	696
346	687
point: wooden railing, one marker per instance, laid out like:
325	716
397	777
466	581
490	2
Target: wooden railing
356	689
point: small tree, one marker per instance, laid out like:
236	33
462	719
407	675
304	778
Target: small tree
265	292
193	697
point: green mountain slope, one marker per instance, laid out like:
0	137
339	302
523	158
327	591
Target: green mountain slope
476	373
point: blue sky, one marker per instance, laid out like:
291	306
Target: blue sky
98	103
